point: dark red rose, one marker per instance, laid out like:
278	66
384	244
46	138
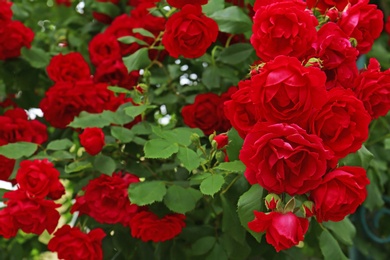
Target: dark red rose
92	139
222	140
338	56
13	36
7	226
340	193
106	199
282	231
103	47
69	68
373	88
102	17
181	3
364	22
275	33
39	178
6	167
5	12
136	3
70	243
342	123
32	215
286	91
258	4
324	5
66	3
147	226
284	158
189	32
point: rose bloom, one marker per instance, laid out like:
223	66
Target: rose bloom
147	226
69	68
66	3
32	215
286	91
283	28
189	32
181	3
39	178
282	231
364	22
7	226
92	139
340	193
6	167
342	123
106	199
5	12
70	243
14	35
284	158
103	46
324	5
338	56
373	88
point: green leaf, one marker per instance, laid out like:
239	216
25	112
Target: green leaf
116	89
135	111
344	230
180	135
374	198
234	249
330	248
62	155
235	145
203	245
210	78
212	184
137	60
61	144
132	39
77	166
145	193
143	32
18	150
361	158
232	20
37	58
85	119
231	225
188	158
217	253
122	134
107	8
104	164
248	202
213	6
160	148
236	53
234	166
181	200
387	143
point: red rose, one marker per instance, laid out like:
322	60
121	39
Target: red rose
324	5
13	36
92	139
66	3
136	3
5	12
106	199
103	47
32	215
286	91
283	28
373	88
340	193
342	123
39	179
70	243
147	226
282	231
6	167
222	140
284	158
7	226
338	56
69	68
189	32
364	22
181	3
206	114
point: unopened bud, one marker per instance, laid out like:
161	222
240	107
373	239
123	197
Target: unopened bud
220	156
332	14
353	42
222	140
141	88
195	139
308	208
271	201
314	62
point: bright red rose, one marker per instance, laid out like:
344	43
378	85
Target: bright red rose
259	3
189	32
103	47
147	226
222	140
324	5
7	226
342	123
69	68
32	215
340	193
102	17
6	167
364	22
92	139
70	243
373	88
106	199
283	28
282	231
338	56
13	36
39	178
181	3
286	91
284	158
5	12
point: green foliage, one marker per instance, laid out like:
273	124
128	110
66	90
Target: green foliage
145	193
232	20
330	248
137	60
344	230
104	164
212	184
180	199
160	148
18	150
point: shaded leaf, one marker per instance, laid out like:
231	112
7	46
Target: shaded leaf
145	193
180	199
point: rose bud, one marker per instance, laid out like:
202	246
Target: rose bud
332	14
222	140
92	139
272	201
308	208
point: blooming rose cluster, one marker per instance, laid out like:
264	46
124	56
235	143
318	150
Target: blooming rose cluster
13	34
306	106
